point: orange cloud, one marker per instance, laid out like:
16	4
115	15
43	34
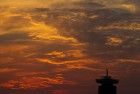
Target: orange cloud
69	53
35	82
64	57
6	70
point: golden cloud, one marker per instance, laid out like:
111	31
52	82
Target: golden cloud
42	31
130	7
114	41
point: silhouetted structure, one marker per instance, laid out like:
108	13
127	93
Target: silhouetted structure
107	85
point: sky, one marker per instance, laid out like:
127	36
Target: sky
61	47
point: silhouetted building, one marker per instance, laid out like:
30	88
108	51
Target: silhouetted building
107	85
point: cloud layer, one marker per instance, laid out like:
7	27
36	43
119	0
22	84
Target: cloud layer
49	45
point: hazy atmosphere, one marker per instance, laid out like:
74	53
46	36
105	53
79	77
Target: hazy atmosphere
62	46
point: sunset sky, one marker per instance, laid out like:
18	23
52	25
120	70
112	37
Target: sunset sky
62	46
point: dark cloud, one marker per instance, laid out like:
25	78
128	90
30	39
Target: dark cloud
14	37
78	4
95	39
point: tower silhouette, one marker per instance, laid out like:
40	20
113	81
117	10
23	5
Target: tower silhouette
107	84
